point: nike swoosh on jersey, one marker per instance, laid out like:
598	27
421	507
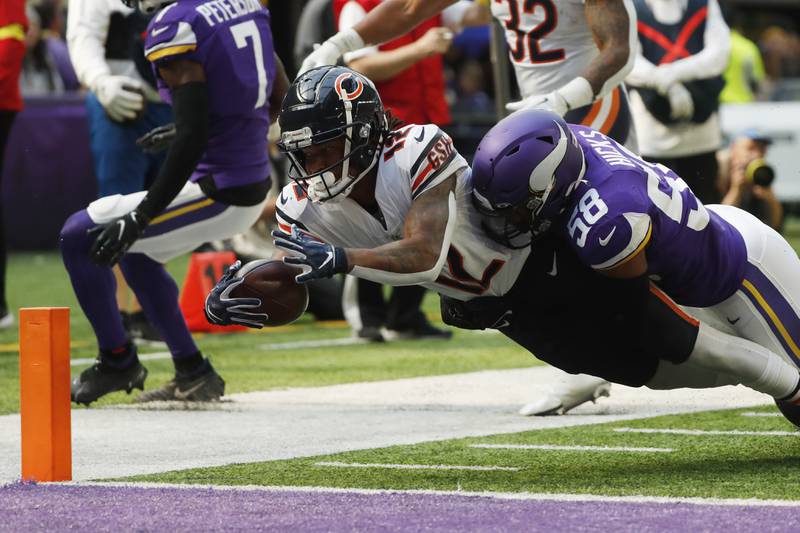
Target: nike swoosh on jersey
158	31
421	136
607	239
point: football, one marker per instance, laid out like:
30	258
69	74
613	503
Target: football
282	299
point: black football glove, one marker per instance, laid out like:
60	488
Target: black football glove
223	310
116	237
158	139
486	312
324	259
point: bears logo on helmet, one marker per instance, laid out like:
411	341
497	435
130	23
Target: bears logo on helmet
327	104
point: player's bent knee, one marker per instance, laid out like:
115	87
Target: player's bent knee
74	234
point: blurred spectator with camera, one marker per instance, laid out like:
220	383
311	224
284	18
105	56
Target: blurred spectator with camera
676	84
107	49
745	178
46	69
13	24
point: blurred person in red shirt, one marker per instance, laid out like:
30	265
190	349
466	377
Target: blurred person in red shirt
13	25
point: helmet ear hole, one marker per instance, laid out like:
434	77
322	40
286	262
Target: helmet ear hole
546	138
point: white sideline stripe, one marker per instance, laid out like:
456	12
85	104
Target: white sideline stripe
754	413
496	495
142	357
337	464
734	432
570	448
319	343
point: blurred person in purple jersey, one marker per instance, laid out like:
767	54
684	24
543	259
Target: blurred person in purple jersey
638	221
216	65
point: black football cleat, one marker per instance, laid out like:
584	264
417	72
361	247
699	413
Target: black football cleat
790	411
101	379
207	387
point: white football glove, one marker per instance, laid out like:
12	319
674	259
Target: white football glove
576	93
680	102
120	96
553	101
664	77
329	52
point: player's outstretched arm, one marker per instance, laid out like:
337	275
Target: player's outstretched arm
391	19
419	256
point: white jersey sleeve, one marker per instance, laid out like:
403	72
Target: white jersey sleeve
424	156
290	207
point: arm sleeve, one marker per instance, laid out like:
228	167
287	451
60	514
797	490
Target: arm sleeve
713	59
426	156
353	13
190	105
87	30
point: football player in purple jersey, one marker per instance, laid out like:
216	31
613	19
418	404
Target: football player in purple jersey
632	220
396	205
216	65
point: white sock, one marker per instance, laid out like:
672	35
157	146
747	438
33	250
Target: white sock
753	365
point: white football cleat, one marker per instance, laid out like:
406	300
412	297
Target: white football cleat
570	392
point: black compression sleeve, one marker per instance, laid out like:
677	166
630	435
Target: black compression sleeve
190	106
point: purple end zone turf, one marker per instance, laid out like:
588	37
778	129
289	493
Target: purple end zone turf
27	507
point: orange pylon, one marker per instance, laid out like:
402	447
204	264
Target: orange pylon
44	402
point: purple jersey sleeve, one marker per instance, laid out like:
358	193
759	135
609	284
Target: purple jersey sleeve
609	223
232	40
171	35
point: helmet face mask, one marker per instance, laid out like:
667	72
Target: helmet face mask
332	151
338	106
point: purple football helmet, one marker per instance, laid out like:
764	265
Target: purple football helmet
530	159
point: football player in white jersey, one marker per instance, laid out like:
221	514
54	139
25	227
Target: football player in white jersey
395	205
570	56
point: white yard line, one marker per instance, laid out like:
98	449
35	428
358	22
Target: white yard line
315	421
142	357
570	448
318	343
733	432
497	495
337	464
754	413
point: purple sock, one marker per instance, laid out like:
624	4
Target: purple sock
94	286
158	296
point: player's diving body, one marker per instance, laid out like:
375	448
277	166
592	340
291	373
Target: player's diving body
569	56
218	69
396	206
637	221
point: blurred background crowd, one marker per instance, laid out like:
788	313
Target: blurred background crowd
68	144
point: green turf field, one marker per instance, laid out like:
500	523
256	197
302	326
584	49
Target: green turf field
713	466
242	358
